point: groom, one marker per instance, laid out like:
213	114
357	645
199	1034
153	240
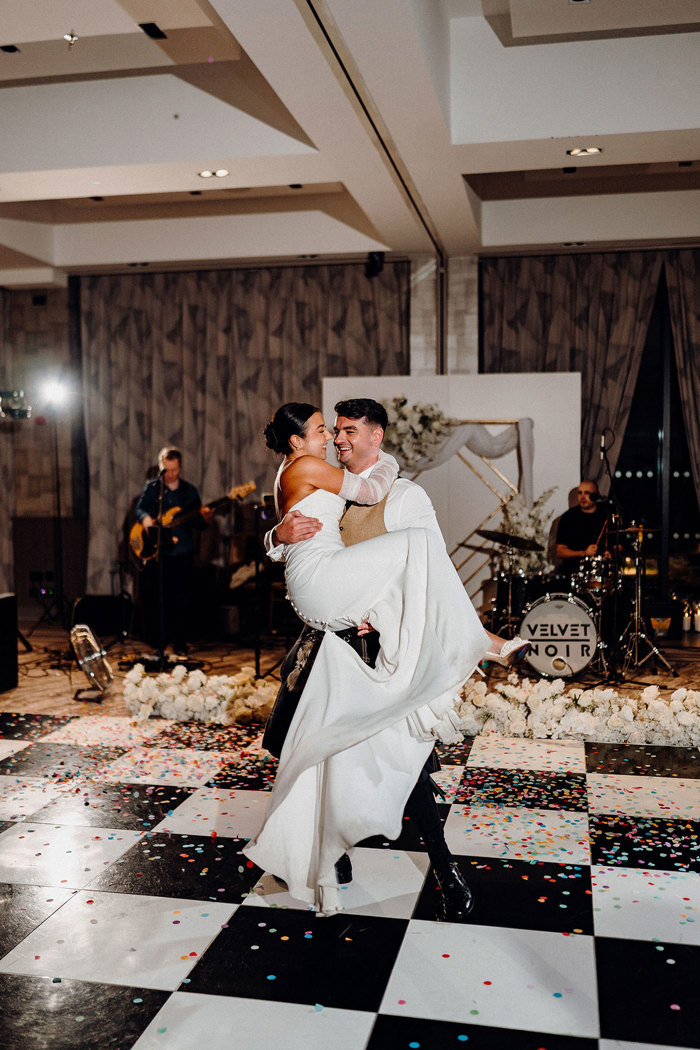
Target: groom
359	432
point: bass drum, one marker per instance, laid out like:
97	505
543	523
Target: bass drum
561	633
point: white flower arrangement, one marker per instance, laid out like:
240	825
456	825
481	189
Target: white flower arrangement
533	524
546	709
194	696
414	431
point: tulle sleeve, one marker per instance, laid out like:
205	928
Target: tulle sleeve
375	488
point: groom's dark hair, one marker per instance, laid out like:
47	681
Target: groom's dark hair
363	408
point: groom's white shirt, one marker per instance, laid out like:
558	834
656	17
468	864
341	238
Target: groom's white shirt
407	506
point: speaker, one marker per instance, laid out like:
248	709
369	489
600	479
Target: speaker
8	642
104	614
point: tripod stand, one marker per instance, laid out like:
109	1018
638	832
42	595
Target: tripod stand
59	607
635	646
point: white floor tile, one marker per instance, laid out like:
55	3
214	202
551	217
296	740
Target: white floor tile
384	883
109	731
257	1024
646	905
622	1044
176	767
11	747
550	756
448	778
521	834
666	797
22	796
120	938
535	981
231	813
46	855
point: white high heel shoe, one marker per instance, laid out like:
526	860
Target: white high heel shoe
512	652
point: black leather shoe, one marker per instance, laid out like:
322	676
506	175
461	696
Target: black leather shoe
343	870
456	900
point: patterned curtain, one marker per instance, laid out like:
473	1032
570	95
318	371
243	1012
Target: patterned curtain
202	360
683	281
574	313
7	488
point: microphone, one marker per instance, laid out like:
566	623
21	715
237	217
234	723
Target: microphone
602	445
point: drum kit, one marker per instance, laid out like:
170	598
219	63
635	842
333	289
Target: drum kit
567	618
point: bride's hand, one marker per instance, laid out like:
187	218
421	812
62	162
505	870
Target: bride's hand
365	628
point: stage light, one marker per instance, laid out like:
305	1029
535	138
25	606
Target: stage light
55	393
13	405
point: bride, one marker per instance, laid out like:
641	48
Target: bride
360	735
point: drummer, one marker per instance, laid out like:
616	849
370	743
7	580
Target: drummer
582	531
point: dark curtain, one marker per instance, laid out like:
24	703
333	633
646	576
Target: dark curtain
573	313
7	487
202	360
683	281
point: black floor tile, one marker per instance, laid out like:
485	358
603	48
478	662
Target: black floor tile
22	909
46	1013
193	867
409	839
455	754
644	842
397	1033
652	760
648	991
534	789
21	726
521	895
60	761
205	736
114	806
341	961
250	772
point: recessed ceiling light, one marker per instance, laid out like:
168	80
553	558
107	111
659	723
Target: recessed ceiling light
206	174
574	244
221	173
71	38
584	151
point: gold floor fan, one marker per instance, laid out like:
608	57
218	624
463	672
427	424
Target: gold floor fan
92	661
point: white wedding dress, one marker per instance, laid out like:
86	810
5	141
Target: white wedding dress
361	735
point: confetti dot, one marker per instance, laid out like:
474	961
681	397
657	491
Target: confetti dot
674	1006
271	977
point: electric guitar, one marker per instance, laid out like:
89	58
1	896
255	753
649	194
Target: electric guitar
144	542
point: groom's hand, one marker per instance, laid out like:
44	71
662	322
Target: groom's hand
295	527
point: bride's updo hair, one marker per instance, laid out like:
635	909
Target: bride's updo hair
289	419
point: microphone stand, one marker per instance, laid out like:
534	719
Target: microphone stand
615	520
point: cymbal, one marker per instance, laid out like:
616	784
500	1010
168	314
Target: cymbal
474	547
519	543
640	528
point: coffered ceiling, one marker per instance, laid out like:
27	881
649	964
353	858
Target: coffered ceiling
343	126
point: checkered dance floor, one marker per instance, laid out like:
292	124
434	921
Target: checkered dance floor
130	918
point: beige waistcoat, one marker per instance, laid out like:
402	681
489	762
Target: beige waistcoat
362	523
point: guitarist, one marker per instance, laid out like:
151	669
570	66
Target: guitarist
176	552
